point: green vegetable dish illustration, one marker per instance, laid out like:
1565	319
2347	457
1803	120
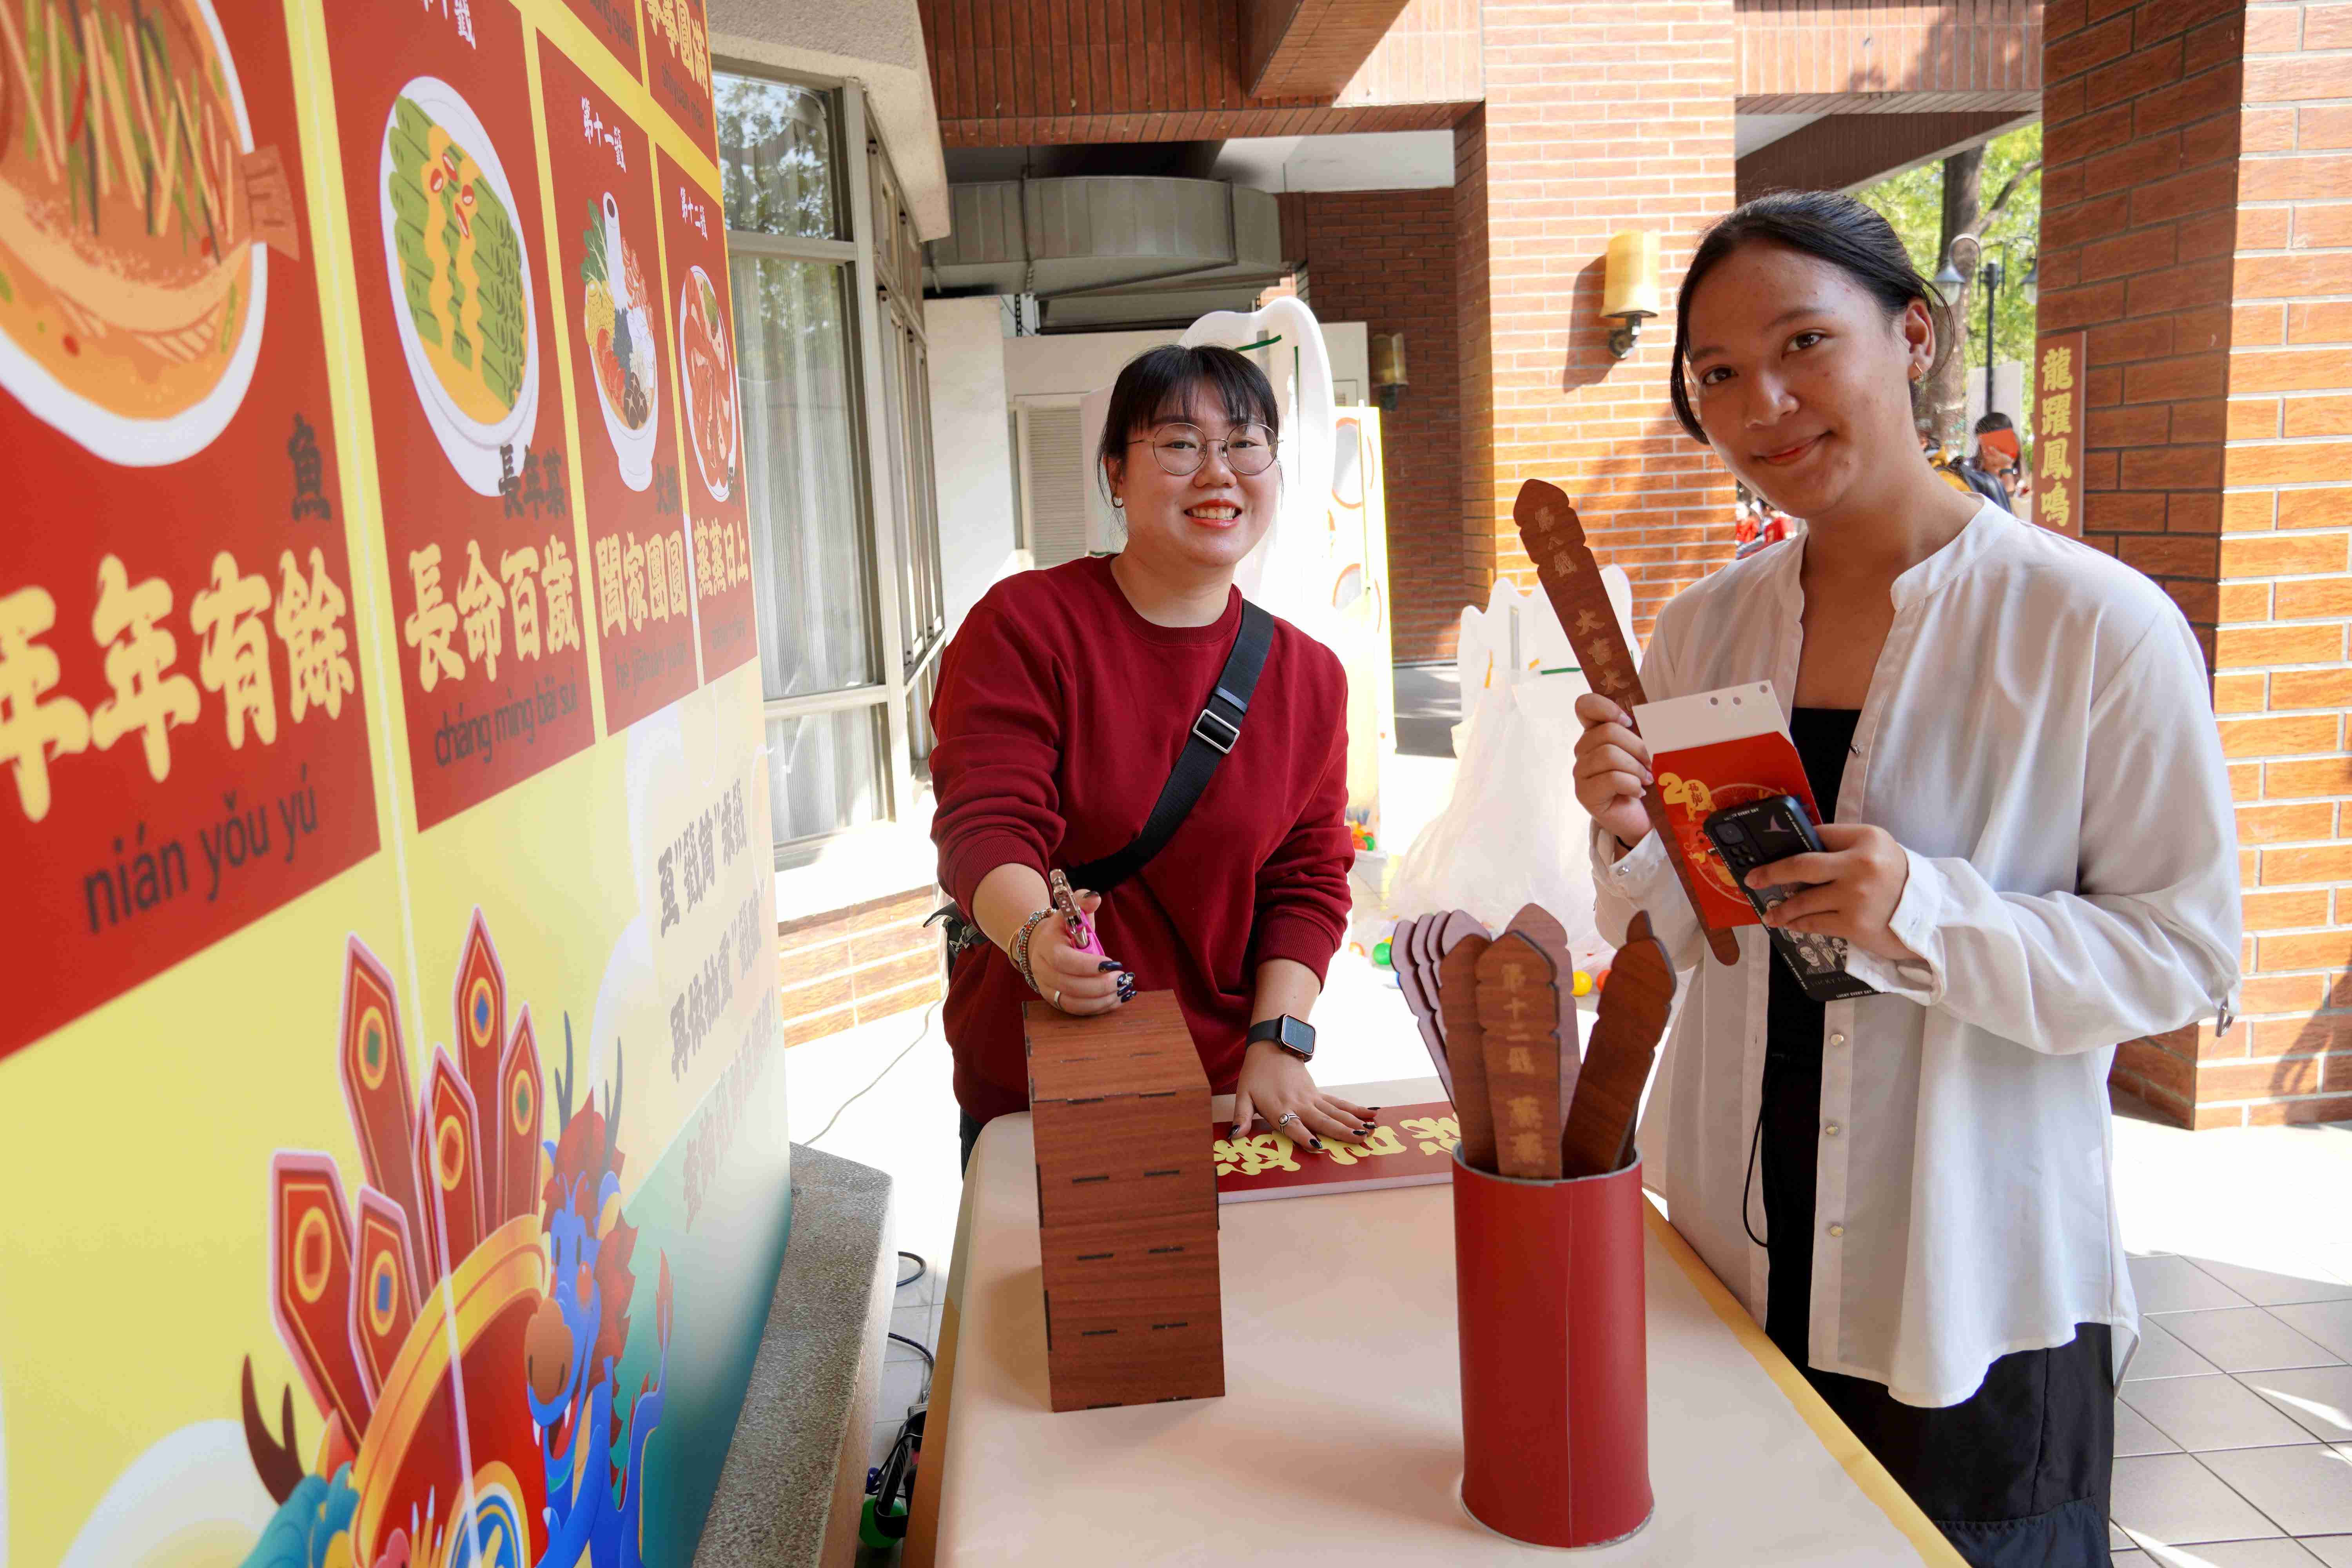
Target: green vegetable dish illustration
461	267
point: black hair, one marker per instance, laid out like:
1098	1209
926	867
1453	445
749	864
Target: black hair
1160	380
1827	226
1996	420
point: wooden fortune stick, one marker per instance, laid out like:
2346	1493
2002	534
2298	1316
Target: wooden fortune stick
1529	1065
1554	537
1633	1007
1465	1048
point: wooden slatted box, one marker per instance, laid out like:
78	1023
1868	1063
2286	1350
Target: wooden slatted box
1126	1206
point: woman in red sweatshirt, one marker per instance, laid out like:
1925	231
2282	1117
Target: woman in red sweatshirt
1062	706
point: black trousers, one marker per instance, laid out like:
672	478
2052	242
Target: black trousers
2017	1475
968	1132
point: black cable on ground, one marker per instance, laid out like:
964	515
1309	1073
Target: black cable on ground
922	1266
920	1348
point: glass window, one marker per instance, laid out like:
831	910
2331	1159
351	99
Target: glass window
908	404
813	567
824	771
776	159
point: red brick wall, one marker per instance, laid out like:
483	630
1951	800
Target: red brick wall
2192	150
1386	258
1598	118
2138	196
1475	339
853	965
2284	595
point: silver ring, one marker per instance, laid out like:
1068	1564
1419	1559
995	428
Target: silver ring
1057	996
1287	1116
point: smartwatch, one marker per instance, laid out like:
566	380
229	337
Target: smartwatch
1293	1035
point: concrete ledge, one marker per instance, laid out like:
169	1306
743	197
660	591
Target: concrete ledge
795	1473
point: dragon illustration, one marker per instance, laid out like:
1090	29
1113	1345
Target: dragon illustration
577	1336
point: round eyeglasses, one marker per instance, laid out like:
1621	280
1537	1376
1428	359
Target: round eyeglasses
1180	449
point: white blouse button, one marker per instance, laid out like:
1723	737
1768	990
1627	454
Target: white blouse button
1832	1130
1837	1039
1837	1230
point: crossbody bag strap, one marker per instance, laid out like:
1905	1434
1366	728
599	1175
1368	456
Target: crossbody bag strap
1214	734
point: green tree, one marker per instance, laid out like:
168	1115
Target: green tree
1994	192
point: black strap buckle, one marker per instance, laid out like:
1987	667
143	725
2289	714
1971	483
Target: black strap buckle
1201	732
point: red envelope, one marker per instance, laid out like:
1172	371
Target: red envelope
1712	750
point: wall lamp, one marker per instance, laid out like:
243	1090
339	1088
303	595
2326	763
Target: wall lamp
1628	292
1388	379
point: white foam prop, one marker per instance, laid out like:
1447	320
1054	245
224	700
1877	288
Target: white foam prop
1277	574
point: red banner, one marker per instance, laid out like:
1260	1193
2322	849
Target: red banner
489	597
615	23
678	67
184	736
609	273
710	409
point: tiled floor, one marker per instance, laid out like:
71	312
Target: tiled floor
2233	1431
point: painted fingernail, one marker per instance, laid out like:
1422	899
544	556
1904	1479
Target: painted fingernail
1315	1144
1107	965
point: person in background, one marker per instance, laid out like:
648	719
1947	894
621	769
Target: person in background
1997	457
1063	704
2029	851
1963	477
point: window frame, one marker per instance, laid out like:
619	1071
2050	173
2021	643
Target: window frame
872	306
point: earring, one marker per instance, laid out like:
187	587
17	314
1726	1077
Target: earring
1916	372
1119	503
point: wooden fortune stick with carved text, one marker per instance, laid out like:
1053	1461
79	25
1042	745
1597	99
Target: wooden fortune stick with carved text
1554	537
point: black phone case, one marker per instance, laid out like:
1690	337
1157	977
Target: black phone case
1768	828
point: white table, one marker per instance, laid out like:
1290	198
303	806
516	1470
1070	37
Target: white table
1339	1435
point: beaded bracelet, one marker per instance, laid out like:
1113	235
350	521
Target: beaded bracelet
1019	950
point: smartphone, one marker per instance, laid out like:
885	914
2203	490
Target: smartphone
1757	834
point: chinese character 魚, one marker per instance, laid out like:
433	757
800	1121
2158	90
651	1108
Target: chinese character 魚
302	450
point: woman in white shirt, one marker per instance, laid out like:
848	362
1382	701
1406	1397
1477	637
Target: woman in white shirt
2029	851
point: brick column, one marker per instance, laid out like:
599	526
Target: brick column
2182	226
1599	117
1386	258
2281	681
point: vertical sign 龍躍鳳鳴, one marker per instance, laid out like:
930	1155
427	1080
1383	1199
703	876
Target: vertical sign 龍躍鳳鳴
2060	372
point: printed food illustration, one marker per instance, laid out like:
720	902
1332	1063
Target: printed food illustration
128	278
461	285
616	320
461	267
707	364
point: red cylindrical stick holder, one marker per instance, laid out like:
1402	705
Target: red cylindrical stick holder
1555	1374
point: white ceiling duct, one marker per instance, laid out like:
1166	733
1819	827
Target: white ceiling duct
1096	233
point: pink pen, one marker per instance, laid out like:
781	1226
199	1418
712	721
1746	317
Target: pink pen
1081	929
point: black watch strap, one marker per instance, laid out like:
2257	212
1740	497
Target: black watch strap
1295	1035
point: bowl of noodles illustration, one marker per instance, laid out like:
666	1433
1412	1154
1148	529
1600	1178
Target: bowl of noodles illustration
461	287
132	288
705	362
616	323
